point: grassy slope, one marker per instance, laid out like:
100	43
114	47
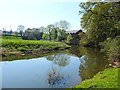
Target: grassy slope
104	79
16	43
31	44
16	48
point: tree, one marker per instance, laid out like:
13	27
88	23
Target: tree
41	29
45	36
37	34
20	29
54	34
69	37
33	34
49	29
4	31
100	20
62	27
28	35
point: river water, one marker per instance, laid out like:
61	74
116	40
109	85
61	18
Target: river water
63	69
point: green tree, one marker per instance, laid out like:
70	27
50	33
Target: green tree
112	48
100	20
63	26
37	33
69	37
54	34
49	29
28	35
45	36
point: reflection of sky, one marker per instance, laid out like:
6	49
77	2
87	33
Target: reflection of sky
33	73
82	59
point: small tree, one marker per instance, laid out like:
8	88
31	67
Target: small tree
69	37
21	29
28	35
49	29
63	26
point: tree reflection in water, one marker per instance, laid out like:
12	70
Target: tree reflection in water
55	77
91	61
61	59
94	61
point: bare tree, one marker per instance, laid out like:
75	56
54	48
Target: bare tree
21	29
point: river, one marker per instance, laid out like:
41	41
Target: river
62	69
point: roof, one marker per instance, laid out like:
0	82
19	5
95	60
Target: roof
72	31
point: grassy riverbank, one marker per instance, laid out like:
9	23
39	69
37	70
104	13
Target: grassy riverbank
105	79
23	45
16	46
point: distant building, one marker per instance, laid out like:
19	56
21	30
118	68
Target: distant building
4	32
75	35
72	31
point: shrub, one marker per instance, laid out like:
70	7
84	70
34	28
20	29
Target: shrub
112	47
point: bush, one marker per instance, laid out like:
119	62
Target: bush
112	47
84	39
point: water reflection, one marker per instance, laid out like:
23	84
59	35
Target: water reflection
56	77
92	61
77	50
60	70
61	59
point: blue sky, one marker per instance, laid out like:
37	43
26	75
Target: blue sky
36	13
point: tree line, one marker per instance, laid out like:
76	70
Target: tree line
56	32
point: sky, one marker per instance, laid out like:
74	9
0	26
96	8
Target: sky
37	13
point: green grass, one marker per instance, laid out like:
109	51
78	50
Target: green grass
105	79
10	37
15	47
22	45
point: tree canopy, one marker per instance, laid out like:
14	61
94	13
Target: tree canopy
101	20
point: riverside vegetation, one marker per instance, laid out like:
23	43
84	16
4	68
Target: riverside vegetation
101	20
13	46
105	79
34	40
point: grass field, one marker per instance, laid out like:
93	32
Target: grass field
16	43
13	47
10	37
105	79
31	44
